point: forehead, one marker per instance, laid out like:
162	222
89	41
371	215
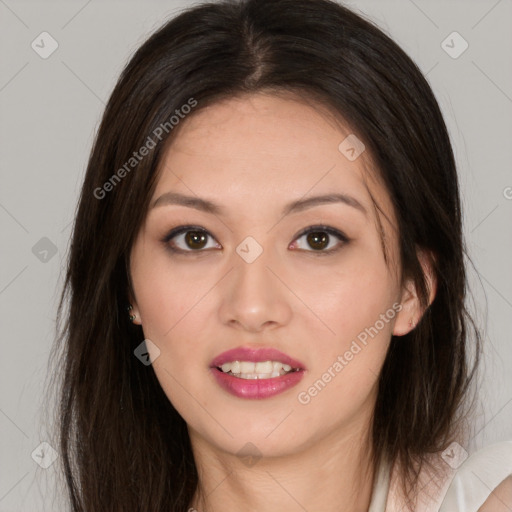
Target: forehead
273	148
277	130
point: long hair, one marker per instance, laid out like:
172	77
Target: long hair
123	445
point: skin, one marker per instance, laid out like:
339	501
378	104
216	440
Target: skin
252	155
500	500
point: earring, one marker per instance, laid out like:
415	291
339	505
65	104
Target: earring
410	323
132	317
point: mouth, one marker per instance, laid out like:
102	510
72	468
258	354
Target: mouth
261	370
256	373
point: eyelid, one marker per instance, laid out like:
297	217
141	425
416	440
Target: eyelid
178	230
327	229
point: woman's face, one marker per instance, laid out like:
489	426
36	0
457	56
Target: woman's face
245	276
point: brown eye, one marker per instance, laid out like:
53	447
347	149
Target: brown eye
195	239
190	239
318	240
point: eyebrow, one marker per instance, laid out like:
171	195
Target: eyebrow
208	206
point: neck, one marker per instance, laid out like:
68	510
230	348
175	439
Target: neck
333	475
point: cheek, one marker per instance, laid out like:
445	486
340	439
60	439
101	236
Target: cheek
166	292
350	294
172	306
355	301
176	312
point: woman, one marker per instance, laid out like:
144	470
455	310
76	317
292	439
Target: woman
266	281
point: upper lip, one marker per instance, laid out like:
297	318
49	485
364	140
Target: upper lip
256	355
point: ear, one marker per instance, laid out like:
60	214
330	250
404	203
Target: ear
411	311
133	311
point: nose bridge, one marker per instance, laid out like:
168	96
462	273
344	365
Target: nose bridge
255	296
251	264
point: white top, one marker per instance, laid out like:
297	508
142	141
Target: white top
464	485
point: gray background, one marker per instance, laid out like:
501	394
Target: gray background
50	109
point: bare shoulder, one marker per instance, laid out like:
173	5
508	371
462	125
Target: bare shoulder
500	500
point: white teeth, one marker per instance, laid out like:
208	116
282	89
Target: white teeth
246	367
277	367
265	367
255	376
249	376
260	370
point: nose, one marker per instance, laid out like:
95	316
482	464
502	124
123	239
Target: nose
254	297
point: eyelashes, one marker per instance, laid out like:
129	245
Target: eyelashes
190	236
198	232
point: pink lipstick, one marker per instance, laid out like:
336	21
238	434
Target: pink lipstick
256	388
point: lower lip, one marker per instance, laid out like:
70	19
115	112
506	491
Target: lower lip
257	388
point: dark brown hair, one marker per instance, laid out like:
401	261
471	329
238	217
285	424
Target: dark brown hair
123	445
